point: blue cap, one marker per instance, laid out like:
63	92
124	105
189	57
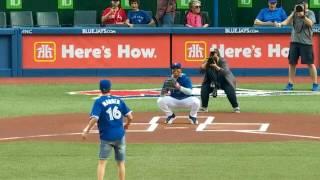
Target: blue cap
176	66
105	85
272	1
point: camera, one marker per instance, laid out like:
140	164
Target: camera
211	57
299	8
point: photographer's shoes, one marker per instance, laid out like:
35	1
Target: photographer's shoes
289	87
203	109
315	87
236	110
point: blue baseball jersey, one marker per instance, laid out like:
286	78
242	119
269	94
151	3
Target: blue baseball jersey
184	81
109	111
267	15
139	17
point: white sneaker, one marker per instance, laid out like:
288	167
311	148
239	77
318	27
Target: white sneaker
236	110
203	109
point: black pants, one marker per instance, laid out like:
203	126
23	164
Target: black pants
223	84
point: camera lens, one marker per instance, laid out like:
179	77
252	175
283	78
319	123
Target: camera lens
299	8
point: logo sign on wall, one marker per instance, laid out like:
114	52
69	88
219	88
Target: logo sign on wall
125	4
65	4
183	4
45	51
74	52
14	4
314	3
245	3
241	51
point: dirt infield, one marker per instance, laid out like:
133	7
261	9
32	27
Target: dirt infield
149	128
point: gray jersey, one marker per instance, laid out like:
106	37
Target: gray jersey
301	33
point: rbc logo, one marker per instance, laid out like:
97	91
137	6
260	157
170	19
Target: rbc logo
195	50
45	51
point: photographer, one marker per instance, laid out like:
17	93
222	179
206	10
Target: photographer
217	76
302	20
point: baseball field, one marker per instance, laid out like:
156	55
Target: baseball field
276	135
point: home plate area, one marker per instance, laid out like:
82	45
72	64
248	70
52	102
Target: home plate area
206	124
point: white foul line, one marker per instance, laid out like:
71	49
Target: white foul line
39	136
281	134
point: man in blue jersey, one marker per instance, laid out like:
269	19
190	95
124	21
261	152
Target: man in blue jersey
270	16
108	112
180	96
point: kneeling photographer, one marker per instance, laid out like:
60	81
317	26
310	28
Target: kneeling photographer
217	75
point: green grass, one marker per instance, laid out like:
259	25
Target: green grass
27	100
254	161
77	161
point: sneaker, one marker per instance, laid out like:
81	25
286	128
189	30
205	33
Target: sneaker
203	109
193	120
170	119
236	110
289	87
315	87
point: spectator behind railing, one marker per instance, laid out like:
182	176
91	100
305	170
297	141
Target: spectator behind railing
137	16
270	16
165	12
114	14
194	17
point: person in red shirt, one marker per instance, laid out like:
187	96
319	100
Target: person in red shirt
114	14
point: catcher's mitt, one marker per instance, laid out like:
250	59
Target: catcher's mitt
169	84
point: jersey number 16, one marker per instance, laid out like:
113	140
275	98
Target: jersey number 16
114	113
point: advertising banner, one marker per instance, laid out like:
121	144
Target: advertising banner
95	51
241	51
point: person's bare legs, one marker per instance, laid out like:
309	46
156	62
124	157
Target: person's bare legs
292	72
122	170
101	169
313	73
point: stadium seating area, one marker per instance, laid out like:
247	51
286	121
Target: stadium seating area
86	13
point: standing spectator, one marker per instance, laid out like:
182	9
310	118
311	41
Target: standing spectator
165	12
137	16
194	17
108	112
114	14
217	76
270	16
301	42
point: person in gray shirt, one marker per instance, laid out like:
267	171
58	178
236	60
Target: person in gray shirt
302	20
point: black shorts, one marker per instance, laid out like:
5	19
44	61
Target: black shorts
301	50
